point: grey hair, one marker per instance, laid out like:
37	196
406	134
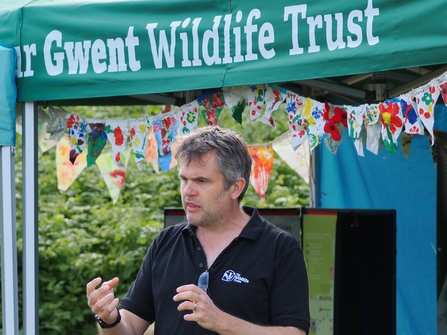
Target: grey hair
233	158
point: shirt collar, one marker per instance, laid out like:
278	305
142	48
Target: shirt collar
251	231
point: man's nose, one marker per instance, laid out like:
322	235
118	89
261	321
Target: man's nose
189	189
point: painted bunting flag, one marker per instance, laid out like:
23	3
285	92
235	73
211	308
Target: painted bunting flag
188	116
114	175
296	124
97	139
212	103
117	133
262	165
165	131
138	129
77	135
274	97
255	100
66	171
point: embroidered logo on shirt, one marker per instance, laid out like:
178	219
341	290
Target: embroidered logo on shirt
230	276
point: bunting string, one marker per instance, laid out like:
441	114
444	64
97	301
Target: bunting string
80	141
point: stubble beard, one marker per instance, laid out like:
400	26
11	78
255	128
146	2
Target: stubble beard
213	213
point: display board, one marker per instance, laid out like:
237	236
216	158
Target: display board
351	260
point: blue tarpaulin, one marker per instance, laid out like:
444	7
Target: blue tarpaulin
407	185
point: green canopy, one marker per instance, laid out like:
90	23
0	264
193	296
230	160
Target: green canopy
73	49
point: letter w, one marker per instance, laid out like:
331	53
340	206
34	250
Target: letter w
79	57
163	47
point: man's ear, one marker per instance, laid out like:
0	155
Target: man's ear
237	188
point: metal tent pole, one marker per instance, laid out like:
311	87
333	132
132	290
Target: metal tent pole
30	221
10	313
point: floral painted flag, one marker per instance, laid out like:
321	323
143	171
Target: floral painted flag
138	130
234	98
151	150
97	139
426	97
372	126
355	123
312	111
262	165
114	176
274	97
255	100
165	131
188	116
441	83
57	125
77	130
336	122
66	171
392	123
297	124
412	122
117	132
212	103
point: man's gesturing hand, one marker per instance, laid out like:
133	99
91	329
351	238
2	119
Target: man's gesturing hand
102	301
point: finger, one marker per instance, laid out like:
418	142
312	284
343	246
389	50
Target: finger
106	305
187	295
187	305
90	287
190	287
98	294
111	283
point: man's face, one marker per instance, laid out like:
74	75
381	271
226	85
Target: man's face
204	199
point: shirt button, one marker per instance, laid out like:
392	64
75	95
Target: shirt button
199	248
201	265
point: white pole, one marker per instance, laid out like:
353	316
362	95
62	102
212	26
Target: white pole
30	221
10	313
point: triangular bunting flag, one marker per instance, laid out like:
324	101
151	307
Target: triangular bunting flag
97	139
234	98
151	150
57	125
261	168
425	101
65	170
298	160
296	124
77	130
43	137
213	105
274	97
255	100
114	176
412	122
188	116
117	132
392	123
165	132
312	111
138	129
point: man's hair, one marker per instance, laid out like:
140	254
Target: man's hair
233	158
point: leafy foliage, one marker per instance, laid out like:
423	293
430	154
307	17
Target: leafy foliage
82	234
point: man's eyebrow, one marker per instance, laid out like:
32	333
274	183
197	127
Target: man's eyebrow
194	178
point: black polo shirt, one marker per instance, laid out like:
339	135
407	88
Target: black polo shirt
260	277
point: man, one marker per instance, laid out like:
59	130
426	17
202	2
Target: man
226	271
